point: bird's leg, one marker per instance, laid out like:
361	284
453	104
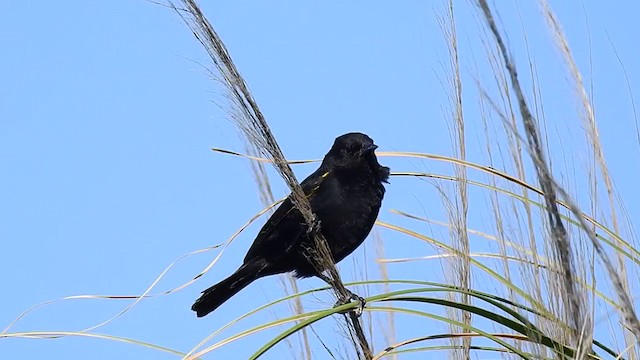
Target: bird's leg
350	296
353	296
315	226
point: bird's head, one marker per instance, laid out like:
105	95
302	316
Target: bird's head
353	151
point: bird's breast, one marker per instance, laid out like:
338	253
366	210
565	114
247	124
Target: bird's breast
351	205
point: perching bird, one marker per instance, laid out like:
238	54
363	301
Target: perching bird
345	194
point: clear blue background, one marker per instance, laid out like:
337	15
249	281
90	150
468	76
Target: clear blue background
107	116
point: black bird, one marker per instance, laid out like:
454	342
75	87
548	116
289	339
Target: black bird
345	194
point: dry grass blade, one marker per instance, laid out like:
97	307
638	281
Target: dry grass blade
137	298
593	133
459	208
389	331
258	158
266	197
575	304
251	121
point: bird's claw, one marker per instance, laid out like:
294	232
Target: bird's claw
351	296
315	226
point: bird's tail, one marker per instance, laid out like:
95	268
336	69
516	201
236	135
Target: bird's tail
216	295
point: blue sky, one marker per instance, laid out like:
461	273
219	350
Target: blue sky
108	115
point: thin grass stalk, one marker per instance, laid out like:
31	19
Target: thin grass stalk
574	307
559	234
515	150
460	202
388	331
266	198
255	127
593	135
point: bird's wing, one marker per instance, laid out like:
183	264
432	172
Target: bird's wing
285	227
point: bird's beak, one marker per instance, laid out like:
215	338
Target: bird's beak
369	149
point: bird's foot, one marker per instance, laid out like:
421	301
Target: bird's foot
315	226
351	296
